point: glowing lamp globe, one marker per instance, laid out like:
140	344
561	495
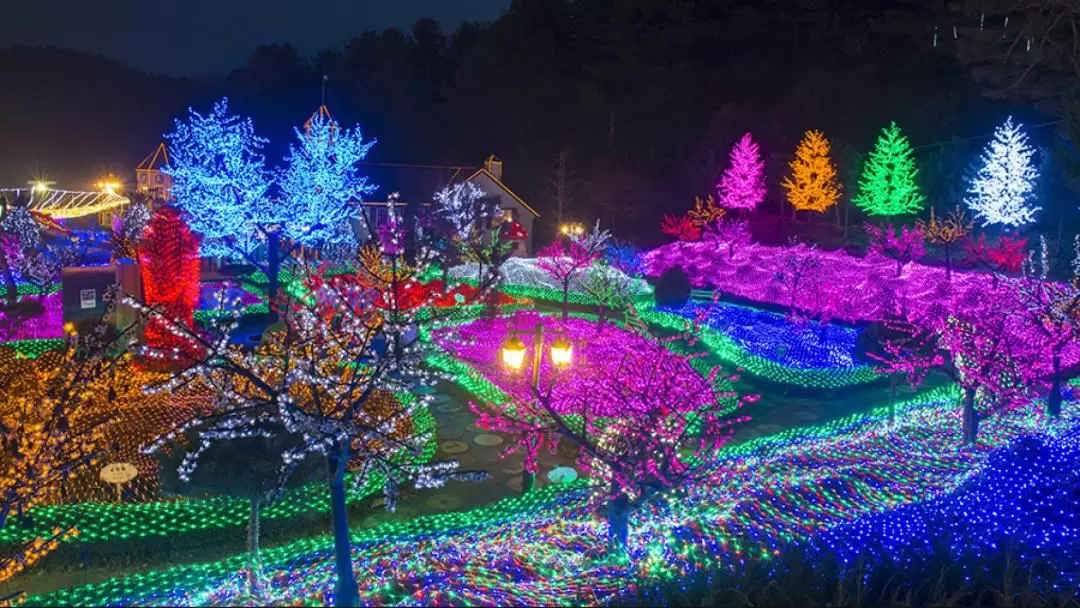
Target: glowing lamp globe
561	352
513	353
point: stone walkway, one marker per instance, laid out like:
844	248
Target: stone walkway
475	449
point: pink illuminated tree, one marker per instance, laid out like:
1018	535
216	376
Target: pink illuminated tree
1051	314
566	261
976	345
907	245
532	428
645	418
743	184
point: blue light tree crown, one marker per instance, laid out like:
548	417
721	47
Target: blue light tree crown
220	181
1003	189
321	183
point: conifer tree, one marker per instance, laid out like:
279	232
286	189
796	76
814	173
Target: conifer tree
812	185
887	185
743	184
1003	189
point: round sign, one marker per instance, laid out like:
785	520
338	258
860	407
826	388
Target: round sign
118	472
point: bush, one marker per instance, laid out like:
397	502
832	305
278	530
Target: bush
673	288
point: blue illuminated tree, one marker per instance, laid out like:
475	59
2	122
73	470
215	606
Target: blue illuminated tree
220	181
321	181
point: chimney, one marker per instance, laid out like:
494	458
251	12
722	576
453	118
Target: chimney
494	166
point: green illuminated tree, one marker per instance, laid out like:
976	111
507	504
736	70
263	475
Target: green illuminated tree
887	185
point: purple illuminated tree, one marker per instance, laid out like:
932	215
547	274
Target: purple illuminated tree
743	184
907	245
729	233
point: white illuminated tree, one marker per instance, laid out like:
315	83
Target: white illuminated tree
1003	190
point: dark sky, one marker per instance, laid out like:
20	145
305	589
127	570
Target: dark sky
208	37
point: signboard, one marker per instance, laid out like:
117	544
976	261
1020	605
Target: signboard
87	298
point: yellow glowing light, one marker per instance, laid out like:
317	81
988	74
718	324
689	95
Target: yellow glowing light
561	352
513	353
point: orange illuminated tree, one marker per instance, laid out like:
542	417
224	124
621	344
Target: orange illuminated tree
947	233
812	185
704	212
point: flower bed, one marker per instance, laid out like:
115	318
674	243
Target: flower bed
548	548
769	346
855	289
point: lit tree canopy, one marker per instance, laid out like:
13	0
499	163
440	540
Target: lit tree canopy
320	181
1003	189
887	185
743	184
812	185
219	180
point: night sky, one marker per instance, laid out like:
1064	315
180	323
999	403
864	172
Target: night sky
210	37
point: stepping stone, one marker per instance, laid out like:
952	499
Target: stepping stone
438	400
466	461
448	408
449	434
424	390
454	447
444	502
514	484
487	439
562	475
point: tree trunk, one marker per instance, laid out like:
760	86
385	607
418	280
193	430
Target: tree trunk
528	481
948	262
847	207
273	267
1053	400
618	513
565	301
899	267
730	251
254	561
600	317
346	591
11	296
971	417
893	381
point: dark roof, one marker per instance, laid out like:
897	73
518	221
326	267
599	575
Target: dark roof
414	183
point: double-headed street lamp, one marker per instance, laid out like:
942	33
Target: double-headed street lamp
513	354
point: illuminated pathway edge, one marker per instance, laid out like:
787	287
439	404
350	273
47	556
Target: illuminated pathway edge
548	548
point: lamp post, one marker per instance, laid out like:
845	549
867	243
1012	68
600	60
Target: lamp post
513	353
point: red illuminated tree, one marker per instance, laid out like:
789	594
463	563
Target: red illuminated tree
169	264
1007	255
681	228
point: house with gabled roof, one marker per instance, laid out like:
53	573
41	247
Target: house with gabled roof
416	184
149	178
